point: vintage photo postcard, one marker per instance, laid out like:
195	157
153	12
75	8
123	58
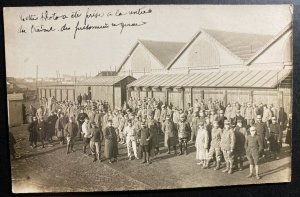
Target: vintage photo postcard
146	97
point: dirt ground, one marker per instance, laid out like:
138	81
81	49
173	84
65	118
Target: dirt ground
50	169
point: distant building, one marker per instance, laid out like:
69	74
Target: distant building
106	73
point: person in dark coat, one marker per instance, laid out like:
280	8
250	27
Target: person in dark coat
71	130
154	130
41	130
111	143
288	139
169	129
184	133
12	142
33	133
79	99
144	136
262	132
239	147
275	138
51	121
253	146
95	142
59	128
80	119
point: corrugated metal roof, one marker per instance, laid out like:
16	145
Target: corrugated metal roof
102	80
243	45
163	51
235	79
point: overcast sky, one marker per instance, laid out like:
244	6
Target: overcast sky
105	49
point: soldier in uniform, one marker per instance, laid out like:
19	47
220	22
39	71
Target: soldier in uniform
249	114
184	132
239	147
131	140
215	147
145	140
253	146
275	138
71	131
42	129
194	126
95	142
262	132
80	119
33	133
221	119
111	144
169	129
227	146
154	130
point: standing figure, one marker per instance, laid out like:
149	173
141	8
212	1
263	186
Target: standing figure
110	143
79	99
51	121
253	146
131	140
169	129
145	142
33	133
239	147
80	119
59	128
184	132
262	132
12	142
86	133
95	142
275	138
71	130
227	146
288	139
215	147
201	144
154	130
194	126
41	126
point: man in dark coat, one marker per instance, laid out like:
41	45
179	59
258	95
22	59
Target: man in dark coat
71	130
60	124
79	99
80	119
275	138
184	133
169	129
95	142
145	140
239	147
51	121
42	130
33	134
221	119
111	143
262	132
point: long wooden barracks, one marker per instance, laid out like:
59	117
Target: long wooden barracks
228	66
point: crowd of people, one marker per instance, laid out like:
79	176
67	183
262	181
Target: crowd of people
219	133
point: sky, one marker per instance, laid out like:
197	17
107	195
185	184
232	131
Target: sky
104	49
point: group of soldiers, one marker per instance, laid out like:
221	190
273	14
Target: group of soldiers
219	132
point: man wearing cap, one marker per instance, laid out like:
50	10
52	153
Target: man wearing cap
184	132
95	142
227	146
59	128
144	136
80	119
253	146
275	138
154	130
262	132
131	140
239	147
110	143
249	114
33	133
169	129
215	147
71	130
221	119
238	117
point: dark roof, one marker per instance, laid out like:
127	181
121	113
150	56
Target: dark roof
106	73
235	79
102	80
163	51
243	45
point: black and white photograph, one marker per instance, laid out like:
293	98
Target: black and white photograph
148	97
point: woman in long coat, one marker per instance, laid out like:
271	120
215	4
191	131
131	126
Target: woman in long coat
33	135
201	144
170	131
111	144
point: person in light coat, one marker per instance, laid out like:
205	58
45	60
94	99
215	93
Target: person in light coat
131	140
201	144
